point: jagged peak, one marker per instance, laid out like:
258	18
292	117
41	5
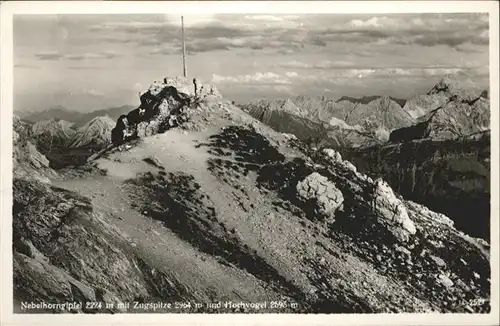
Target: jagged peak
106	120
53	126
306	98
455	85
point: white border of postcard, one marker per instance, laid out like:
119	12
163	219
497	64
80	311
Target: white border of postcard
8	9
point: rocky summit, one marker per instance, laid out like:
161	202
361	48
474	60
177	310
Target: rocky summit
451	109
199	202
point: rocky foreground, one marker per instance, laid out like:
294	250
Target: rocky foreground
209	205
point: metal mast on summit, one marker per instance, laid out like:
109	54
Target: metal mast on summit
183	49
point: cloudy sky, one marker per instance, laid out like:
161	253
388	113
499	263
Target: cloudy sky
89	62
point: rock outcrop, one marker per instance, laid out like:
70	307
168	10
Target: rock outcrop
384	203
169	107
27	160
323	193
392	209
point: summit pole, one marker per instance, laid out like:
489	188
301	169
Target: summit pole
184	70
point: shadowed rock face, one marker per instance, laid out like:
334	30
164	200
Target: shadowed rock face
220	207
451	177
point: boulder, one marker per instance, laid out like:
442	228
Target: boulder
324	193
391	209
336	158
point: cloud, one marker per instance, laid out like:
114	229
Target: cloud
26	66
425	29
325	64
340	75
49	56
288	34
77	56
265	17
267	78
197	47
93	92
372	22
222	34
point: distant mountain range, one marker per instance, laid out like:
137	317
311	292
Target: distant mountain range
67	137
78	118
62	142
345	122
368	99
451	108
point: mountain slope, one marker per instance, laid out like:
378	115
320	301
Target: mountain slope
113	113
95	133
382	112
58	112
337	134
52	134
368	99
420	105
219	207
78	118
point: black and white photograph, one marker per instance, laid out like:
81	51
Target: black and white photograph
265	162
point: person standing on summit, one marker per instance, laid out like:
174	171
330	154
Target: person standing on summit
195	87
